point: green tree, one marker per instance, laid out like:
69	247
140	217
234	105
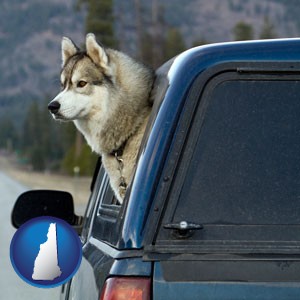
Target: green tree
200	42
8	134
86	160
32	137
30	129
174	43
150	28
37	158
146	50
243	31
268	31
100	20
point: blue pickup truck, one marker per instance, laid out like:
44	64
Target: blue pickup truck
213	211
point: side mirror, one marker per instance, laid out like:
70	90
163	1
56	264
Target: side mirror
37	203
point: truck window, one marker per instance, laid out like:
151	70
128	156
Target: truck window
242	180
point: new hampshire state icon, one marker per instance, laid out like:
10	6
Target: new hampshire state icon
46	252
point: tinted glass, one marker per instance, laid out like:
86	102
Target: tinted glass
246	165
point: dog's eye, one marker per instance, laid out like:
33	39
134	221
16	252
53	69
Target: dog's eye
81	84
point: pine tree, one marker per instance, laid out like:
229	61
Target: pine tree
85	161
100	20
157	36
8	134
30	133
243	31
174	43
200	42
32	137
268	31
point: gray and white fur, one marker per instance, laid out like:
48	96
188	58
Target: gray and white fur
106	94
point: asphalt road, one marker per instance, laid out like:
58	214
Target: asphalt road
11	286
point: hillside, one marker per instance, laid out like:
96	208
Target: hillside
31	30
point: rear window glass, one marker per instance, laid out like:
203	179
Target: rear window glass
246	165
239	172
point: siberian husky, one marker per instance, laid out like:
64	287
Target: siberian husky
106	94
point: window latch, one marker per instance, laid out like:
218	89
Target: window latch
183	229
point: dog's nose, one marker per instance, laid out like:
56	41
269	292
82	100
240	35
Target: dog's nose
54	107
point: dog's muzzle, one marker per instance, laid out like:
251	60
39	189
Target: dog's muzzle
54	107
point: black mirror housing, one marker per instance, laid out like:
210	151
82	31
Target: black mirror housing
37	203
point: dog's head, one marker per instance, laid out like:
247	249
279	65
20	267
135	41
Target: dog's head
85	76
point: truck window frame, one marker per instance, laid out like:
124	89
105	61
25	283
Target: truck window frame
108	215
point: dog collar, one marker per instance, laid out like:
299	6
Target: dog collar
119	152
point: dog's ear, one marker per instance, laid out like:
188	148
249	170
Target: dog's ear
68	49
96	52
